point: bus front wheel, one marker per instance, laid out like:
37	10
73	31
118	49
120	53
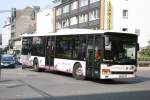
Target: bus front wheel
78	72
36	64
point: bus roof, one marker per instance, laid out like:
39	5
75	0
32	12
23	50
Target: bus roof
69	32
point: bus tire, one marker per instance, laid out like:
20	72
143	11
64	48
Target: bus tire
36	65
23	66
78	72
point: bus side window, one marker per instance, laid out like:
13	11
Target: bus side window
81	53
80	48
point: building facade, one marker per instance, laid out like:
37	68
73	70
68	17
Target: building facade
0	39
19	22
92	14
6	32
46	21
24	22
0	43
120	15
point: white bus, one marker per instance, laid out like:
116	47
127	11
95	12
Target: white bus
83	53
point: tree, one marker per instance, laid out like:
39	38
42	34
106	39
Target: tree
145	52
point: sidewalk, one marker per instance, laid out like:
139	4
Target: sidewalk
143	68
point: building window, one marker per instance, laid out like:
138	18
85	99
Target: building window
55	1
96	28
83	3
65	22
93	15
66	9
33	15
93	1
124	29
58	25
74	20
125	13
58	12
83	18
74	5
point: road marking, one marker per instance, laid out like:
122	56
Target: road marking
6	84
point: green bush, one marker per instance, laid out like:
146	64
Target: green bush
144	54
144	58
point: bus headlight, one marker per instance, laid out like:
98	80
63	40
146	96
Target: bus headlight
105	71
2	63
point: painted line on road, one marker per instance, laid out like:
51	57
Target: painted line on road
9	84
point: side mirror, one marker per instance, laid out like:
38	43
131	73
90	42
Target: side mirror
107	41
108	47
137	47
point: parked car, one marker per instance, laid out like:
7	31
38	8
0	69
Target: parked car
7	61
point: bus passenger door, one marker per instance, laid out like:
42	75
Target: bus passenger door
94	51
90	56
50	51
98	48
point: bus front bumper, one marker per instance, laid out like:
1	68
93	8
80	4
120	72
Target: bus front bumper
117	71
118	76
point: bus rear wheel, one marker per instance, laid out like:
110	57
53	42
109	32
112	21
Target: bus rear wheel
78	72
36	65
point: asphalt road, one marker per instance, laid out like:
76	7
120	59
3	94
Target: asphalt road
18	84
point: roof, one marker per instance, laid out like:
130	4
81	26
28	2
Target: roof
69	32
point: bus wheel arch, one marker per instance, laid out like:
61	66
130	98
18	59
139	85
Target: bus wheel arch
36	64
78	71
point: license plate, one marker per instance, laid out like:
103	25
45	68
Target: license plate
122	76
5	64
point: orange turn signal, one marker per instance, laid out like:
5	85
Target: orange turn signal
105	71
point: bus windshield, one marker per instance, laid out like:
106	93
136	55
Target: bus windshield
120	52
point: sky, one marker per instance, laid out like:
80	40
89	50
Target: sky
139	14
19	4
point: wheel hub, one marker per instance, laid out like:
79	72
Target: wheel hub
79	71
